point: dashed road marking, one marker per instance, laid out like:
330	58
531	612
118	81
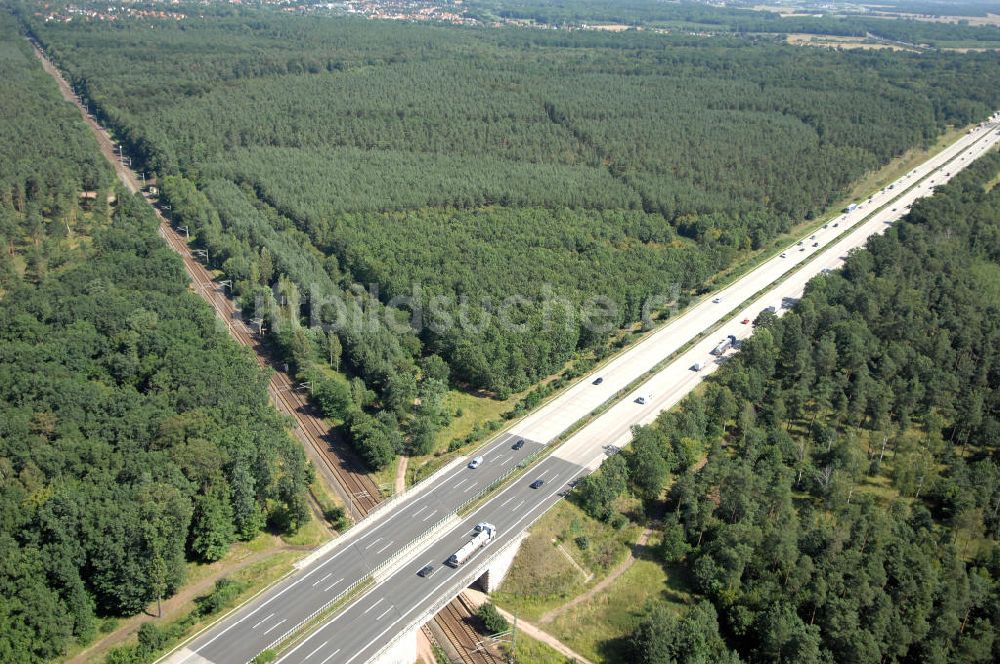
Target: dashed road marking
262	621
274	626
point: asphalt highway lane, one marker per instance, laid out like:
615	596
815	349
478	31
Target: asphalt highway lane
546	423
361	630
243	634
240	636
358	632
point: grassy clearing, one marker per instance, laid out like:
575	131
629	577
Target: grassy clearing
254	576
326	499
530	651
830	41
542	578
386	477
596	628
468	410
992	183
311	534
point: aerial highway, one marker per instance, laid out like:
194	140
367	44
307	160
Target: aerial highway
360	632
422	527
582	398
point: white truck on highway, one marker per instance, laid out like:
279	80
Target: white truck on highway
485	533
724	345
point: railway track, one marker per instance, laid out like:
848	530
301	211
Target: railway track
456	621
357	488
339	466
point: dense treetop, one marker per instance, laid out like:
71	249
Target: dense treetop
134	434
849	509
335	158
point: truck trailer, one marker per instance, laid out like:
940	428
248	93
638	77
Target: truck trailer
485	533
724	345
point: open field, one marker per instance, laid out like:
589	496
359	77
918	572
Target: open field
595	628
543	577
832	41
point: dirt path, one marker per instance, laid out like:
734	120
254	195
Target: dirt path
425	651
602	585
478	598
587	576
399	486
175	606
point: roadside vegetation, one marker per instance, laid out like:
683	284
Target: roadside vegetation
566	553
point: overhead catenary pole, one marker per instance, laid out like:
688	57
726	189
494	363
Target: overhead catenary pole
513	640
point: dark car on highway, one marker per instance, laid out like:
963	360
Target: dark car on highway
518	445
598	380
537	484
426	571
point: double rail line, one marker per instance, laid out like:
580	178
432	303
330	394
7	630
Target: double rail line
357	488
339	465
454	620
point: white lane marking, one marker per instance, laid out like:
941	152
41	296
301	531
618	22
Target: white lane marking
262	621
317	648
470	488
382	615
519	504
374	542
958	149
504	503
332	585
330	656
323	579
429	515
437	588
507	460
420	510
380	600
461	483
385	547
274	625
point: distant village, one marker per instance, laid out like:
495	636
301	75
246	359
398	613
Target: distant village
440	11
399	10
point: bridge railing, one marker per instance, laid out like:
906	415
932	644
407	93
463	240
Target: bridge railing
465	580
400	553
